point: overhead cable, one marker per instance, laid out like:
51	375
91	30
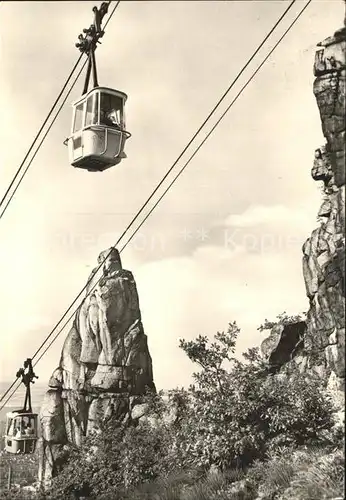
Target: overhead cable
43	125
175	178
108	19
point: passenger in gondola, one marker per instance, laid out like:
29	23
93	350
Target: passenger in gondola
104	119
29	431
112	115
109	118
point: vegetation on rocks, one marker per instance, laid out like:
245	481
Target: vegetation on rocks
237	433
282	319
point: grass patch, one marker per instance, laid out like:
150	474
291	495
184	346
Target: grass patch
305	474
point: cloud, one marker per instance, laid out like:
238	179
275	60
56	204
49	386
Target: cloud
200	294
174	59
260	215
241	276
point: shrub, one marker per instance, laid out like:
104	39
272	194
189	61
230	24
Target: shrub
120	457
233	414
236	416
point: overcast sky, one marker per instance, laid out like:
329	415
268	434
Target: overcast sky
225	243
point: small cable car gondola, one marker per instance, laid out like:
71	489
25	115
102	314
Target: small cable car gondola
21	425
98	132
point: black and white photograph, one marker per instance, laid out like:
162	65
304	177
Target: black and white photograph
172	249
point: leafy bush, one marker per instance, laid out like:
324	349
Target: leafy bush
237	415
234	414
119	457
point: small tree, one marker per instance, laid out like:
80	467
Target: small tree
233	414
212	357
238	414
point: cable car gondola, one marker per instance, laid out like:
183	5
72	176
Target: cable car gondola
98	132
21	425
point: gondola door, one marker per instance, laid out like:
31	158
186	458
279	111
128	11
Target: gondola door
77	133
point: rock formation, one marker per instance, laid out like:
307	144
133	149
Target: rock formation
105	365
285	344
319	343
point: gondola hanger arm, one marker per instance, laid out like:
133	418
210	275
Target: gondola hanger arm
92	34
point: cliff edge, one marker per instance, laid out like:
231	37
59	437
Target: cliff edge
318	343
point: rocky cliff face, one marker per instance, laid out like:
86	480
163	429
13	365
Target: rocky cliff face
105	365
319	343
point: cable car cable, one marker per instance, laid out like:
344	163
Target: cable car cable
45	122
216	124
111	14
206	120
191	157
8	390
4	395
171	168
45	135
108	19
97	269
39	132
